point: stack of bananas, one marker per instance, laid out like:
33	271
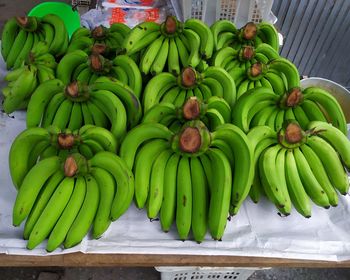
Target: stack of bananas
213	112
62	198
263	106
226	34
176	89
21	34
40	66
105	103
294	166
36	142
79	66
170	45
186	176
185	118
112	37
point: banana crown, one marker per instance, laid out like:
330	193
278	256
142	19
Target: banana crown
29	24
99	33
193	139
77	91
171	27
257	71
248	32
75	164
246	53
188	78
291	135
292	98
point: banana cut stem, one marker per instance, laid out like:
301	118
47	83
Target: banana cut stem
249	31
190	140
295	96
65	141
188	77
170	25
191	109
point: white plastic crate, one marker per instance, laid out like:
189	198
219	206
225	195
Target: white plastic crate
238	11
203	273
81	3
82	6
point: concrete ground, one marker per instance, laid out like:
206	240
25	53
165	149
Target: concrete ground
10	8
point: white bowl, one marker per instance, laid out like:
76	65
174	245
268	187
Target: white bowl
338	91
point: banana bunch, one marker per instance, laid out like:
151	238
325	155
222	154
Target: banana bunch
213	113
39	67
280	75
79	66
238	61
170	45
61	198
226	34
294	166
38	143
174	175
105	103
261	106
112	37
21	34
165	87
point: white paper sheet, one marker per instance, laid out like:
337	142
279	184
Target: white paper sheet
256	231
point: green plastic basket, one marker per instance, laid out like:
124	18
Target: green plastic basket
70	17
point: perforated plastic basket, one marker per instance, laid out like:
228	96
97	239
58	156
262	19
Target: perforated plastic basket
81	3
238	11
203	273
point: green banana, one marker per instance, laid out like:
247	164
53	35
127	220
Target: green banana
167	211
123	177
298	196
31	186
107	186
60	230
156	183
51	213
145	158
200	199
331	162
41	201
220	194
334	113
86	214
183	198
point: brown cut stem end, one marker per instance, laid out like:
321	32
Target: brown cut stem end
256	69
248	52
23	21
72	89
95	62
191	109
188	77
70	167
99	48
170	25
294	97
293	133
98	32
249	31
65	141
190	140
